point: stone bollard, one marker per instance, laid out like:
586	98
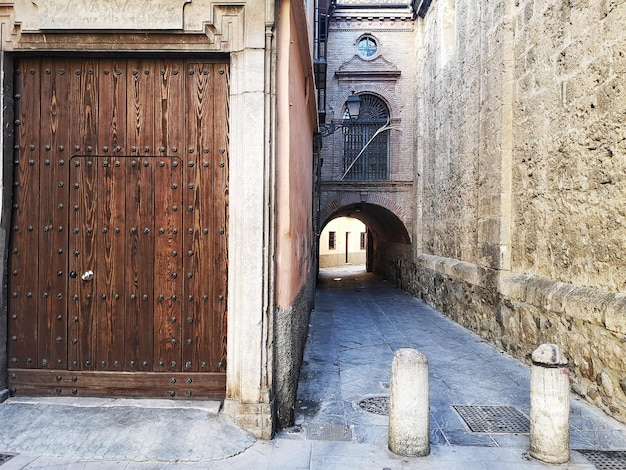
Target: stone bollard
409	433
549	405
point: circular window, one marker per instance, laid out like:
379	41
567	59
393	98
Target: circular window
367	47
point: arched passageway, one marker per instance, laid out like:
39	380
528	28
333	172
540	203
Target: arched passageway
387	237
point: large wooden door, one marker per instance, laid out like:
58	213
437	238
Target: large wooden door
118	256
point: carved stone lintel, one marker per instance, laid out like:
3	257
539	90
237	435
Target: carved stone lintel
107	15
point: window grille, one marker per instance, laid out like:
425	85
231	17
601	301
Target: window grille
373	163
331	240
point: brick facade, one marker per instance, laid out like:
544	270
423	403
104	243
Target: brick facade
389	75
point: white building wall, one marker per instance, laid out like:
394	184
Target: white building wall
331	257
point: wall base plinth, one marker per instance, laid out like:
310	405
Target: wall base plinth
256	418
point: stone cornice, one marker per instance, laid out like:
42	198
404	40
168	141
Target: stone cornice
380	9
378	27
120	42
347	23
367	14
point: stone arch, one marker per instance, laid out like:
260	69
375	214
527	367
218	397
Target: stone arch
384	216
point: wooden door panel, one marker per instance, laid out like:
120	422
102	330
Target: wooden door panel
109	270
84	140
219	211
141	81
169	110
84	101
137	281
205	217
53	216
112	107
198	288
111	193
168	270
129	160
139	262
83	246
139	337
24	246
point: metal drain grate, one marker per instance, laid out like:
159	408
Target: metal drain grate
494	419
4	458
329	432
377	405
606	459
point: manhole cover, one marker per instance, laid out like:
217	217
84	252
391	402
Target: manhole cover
377	405
606	459
4	458
494	419
329	432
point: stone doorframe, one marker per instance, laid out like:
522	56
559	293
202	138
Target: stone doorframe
241	31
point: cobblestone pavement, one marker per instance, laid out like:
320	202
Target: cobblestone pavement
358	323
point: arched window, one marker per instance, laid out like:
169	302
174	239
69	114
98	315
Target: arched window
365	160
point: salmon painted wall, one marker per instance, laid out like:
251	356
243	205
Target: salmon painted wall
296	123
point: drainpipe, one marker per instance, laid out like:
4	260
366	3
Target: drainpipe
269	277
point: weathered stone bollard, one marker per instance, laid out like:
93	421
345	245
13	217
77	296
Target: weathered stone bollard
549	405
409	433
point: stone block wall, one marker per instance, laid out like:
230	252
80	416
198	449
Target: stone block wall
461	160
588	324
521	180
568	191
569	163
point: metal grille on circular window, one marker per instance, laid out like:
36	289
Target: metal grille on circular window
367	47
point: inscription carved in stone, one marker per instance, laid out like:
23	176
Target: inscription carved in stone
111	14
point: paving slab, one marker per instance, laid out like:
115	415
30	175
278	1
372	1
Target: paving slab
119	430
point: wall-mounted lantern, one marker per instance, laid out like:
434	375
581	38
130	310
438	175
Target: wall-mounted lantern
353	105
